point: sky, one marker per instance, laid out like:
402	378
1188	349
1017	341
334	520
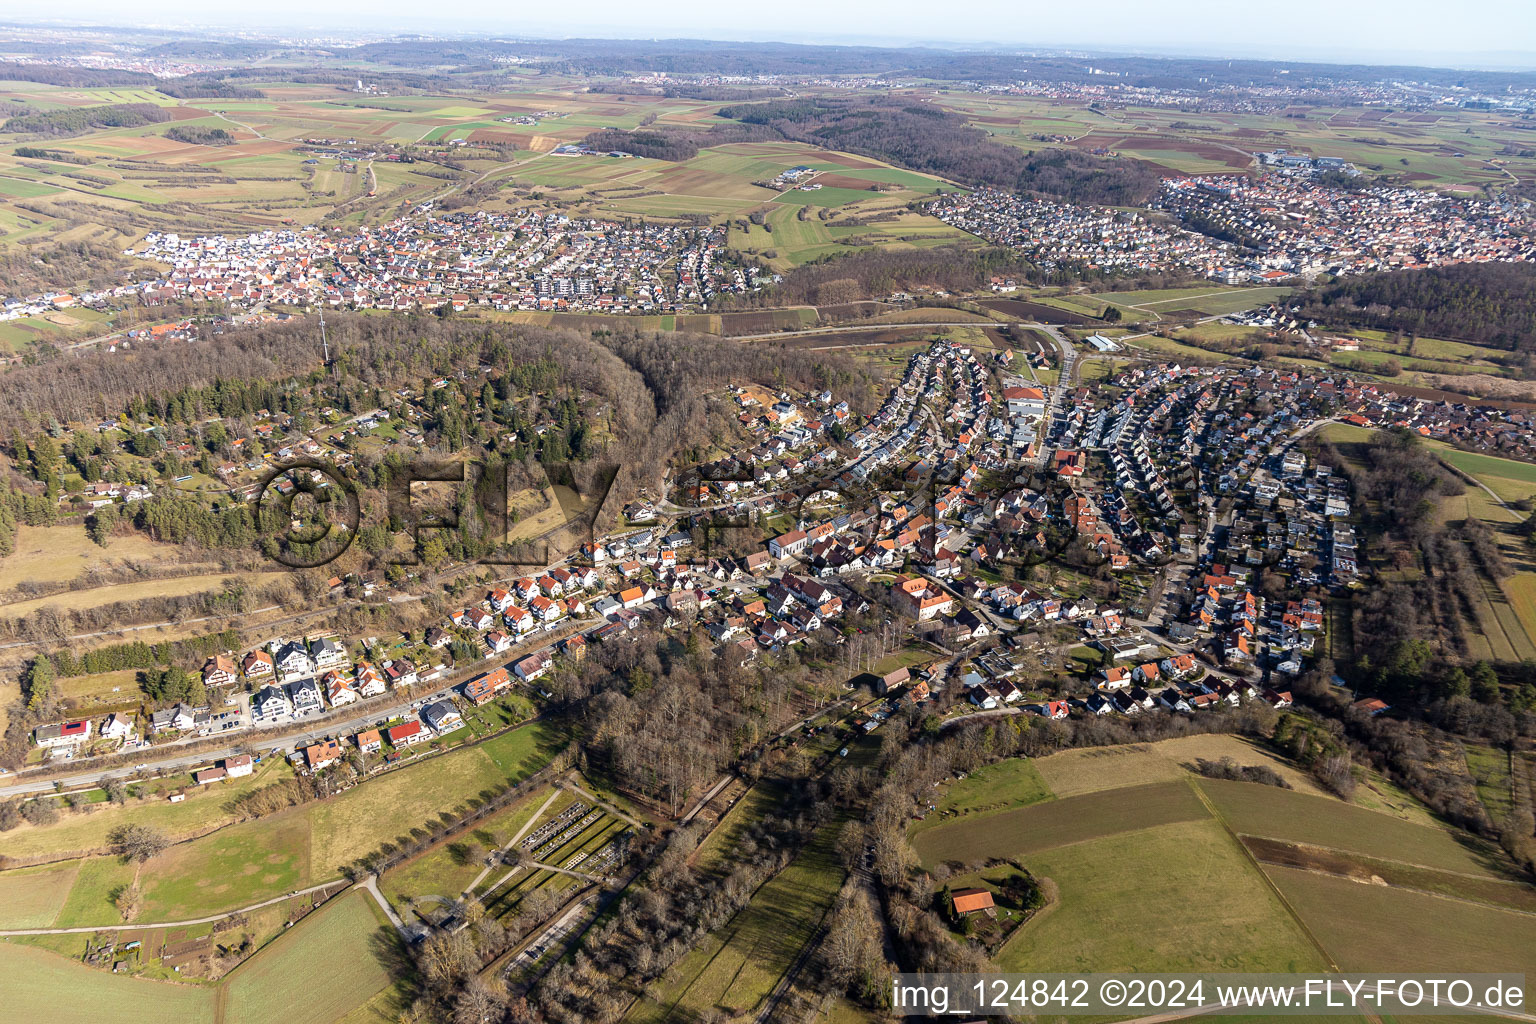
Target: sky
1490	33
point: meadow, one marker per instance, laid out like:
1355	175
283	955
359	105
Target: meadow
1174	897
41	985
203	808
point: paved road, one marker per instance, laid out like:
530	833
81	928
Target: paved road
284	735
371	884
511	843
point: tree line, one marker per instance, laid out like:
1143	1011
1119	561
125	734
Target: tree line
1491	304
933	140
77	120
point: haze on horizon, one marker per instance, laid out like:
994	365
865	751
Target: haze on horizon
1380	32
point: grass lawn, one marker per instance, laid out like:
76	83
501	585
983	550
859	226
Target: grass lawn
328	964
1064	822
44	986
1323	821
1178	897
1007	784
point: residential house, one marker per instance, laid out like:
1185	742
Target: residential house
442	716
270	702
219	670
305	695
407	735
257	665
62	736
488	687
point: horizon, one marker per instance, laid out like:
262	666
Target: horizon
1185	34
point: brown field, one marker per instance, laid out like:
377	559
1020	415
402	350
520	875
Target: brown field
1046	826
52	554
1037	311
74	599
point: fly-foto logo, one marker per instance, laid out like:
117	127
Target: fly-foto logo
308	511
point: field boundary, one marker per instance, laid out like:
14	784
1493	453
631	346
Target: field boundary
1269	883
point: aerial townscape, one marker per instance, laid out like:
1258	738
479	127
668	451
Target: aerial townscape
502	529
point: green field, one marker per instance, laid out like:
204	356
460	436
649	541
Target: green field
1281	814
1167	875
204	807
1008	784
1177	897
1509	479
332	962
1212	300
301	846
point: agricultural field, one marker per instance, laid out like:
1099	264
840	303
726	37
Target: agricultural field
1128	903
1445	149
348	943
1032	829
1274	813
1120	840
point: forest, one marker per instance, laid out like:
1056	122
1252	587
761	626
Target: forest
1490	304
935	141
28	269
200	87
72	77
195	135
77	120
